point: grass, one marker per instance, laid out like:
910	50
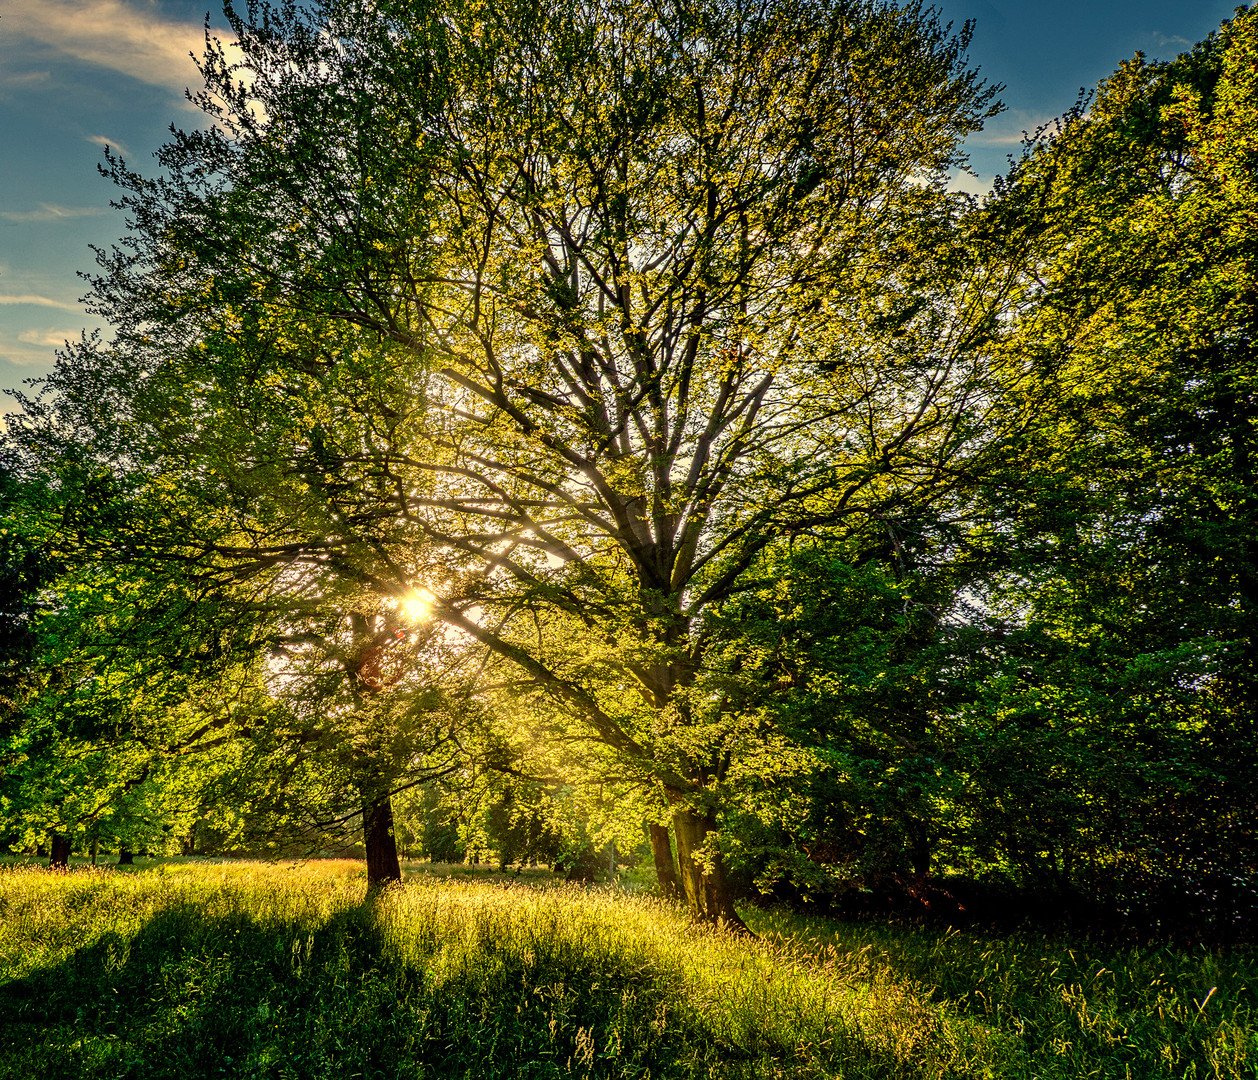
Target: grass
258	970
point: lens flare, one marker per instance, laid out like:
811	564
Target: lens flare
417	605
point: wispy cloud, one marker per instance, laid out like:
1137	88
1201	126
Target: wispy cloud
1162	41
125	36
52	338
35	300
50	212
1010	129
27	78
22	355
105	141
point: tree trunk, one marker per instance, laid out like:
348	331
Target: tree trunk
707	891
382	863
665	870
919	849
95	848
60	858
125	858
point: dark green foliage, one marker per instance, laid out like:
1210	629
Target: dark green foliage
28	565
517	827
439	836
1112	747
836	662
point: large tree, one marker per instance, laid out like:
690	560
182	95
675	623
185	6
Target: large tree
555	316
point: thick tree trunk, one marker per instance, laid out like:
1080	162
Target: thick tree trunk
95	848
665	870
382	863
707	891
125	857
60	858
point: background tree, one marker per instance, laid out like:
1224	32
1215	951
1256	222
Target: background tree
117	710
838	668
1120	704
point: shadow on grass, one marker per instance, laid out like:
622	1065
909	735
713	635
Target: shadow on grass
201	995
1069	1006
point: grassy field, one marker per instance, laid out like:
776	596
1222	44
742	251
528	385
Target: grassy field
257	970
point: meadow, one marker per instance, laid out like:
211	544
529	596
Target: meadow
249	969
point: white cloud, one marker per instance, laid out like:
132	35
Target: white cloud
35	300
21	355
50	212
1010	128
124	36
51	338
970	185
104	141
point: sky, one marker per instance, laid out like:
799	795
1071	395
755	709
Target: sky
77	75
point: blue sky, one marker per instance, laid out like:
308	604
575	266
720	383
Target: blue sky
77	74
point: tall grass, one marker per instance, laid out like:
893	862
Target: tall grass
1065	1008
254	970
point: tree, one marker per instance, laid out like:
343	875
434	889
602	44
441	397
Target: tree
843	672
101	741
377	703
1131	512
557	317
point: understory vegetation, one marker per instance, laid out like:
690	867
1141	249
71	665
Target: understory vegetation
282	970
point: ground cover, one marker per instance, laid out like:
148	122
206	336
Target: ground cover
282	970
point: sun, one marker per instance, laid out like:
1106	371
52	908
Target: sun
417	605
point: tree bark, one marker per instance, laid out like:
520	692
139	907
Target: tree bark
707	891
60	858
665	870
125	857
382	862
919	850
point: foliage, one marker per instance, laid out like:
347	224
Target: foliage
834	667
104	739
1116	725
555	317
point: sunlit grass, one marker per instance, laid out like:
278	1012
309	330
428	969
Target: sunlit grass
265	970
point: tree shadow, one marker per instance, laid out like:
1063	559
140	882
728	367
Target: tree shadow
196	995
